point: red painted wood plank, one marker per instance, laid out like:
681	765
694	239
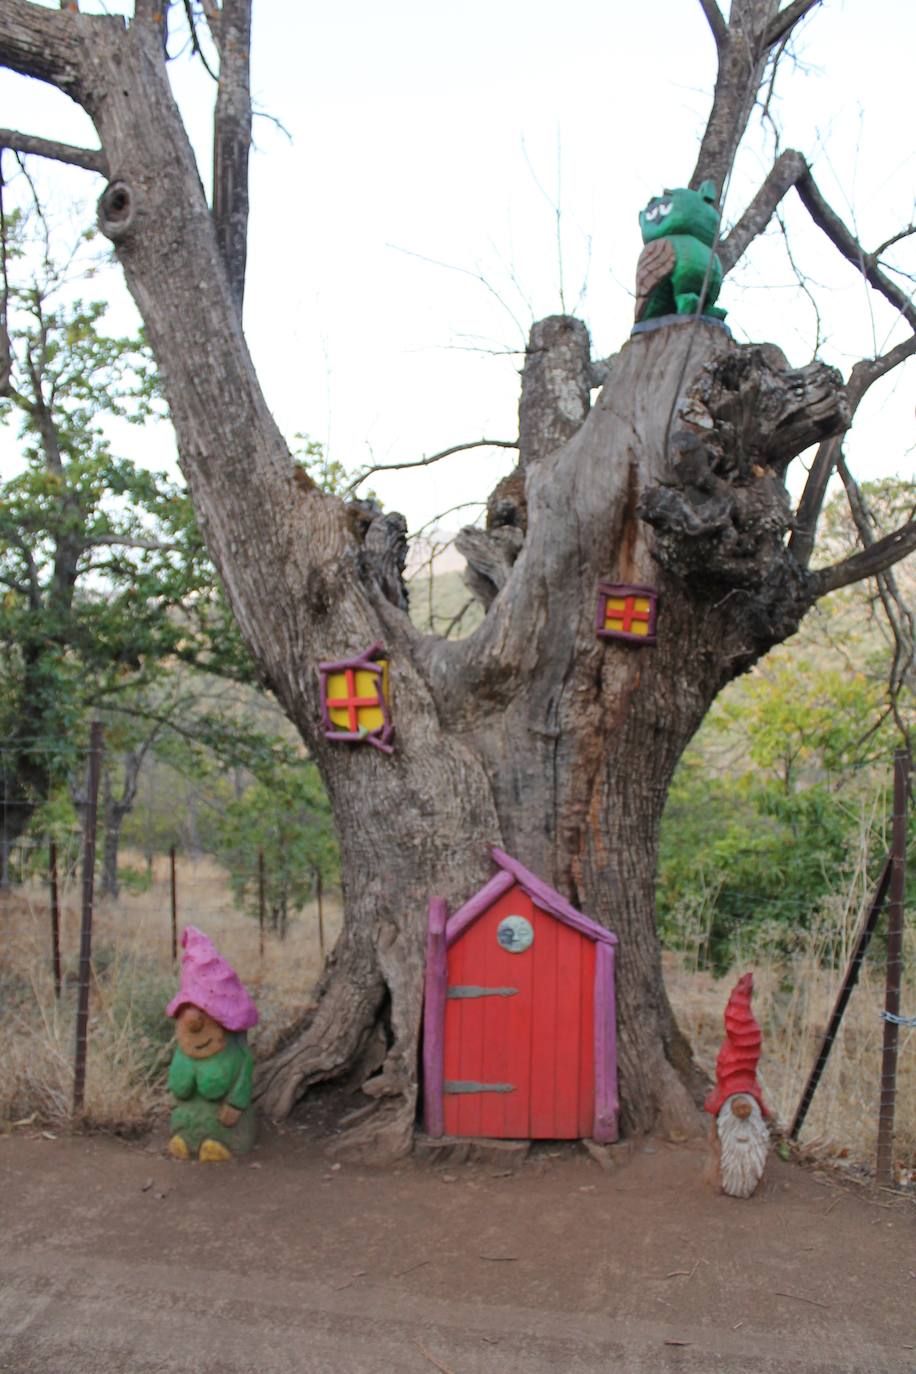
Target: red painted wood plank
545	977
568	1033
519	969
471	1059
587	1040
496	973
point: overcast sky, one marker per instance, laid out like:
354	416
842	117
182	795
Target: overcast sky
405	238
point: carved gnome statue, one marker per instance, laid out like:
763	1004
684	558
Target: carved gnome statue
211	1070
739	1135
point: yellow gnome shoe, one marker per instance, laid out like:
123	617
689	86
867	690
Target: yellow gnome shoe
178	1149
212	1152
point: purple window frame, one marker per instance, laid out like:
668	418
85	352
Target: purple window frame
608	589
364	662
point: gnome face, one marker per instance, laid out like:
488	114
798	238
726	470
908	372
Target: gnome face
743	1142
198	1035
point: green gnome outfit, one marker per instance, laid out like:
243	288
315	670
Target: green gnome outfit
202	1086
211	1071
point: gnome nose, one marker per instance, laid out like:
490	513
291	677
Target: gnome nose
741	1108
194	1020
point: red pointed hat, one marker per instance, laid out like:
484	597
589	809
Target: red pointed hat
736	1067
209	982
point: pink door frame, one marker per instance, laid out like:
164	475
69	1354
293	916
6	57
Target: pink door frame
445	930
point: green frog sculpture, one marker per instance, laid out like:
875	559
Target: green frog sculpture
677	269
211	1070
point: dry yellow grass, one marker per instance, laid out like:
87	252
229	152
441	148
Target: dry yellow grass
133	980
793	1002
129	1035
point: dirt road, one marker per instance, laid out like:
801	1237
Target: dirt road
116	1260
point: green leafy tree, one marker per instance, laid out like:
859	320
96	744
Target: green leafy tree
104	582
285	817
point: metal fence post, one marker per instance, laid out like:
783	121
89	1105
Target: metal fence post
90	817
884	1170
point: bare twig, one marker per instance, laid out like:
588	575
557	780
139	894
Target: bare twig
798	1298
786	20
90	159
425	462
432	1359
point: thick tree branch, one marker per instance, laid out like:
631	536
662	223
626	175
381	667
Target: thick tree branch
91	159
877	558
232	140
786	20
785	173
801	543
425	462
44	43
790	169
742	61
829	454
715	20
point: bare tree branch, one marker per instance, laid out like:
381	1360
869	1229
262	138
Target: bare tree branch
828	220
91	159
128	542
786	20
894	238
801	542
870	562
45	43
830	453
425	462
742	62
232	140
715	20
785	173
871	370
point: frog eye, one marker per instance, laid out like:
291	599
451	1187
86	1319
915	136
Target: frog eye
652	215
665	208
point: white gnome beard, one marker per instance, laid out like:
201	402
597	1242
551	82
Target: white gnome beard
743	1144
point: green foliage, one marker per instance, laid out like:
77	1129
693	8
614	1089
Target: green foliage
745	863
104	581
765	811
286	817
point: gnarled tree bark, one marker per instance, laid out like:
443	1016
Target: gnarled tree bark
531	734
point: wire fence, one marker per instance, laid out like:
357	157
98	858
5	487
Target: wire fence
86	903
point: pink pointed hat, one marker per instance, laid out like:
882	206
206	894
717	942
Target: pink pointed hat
209	982
736	1067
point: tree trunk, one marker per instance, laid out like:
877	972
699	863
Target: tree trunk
533	733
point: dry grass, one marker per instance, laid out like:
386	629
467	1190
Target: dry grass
133	979
793	1001
130	1037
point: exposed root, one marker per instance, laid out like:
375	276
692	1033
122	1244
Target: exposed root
325	1048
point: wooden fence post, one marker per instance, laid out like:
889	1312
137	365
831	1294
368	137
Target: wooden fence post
90	817
55	917
173	888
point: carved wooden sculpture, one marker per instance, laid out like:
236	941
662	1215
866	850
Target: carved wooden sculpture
738	1136
212	1068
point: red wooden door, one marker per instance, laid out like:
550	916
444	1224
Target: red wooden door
519	1029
